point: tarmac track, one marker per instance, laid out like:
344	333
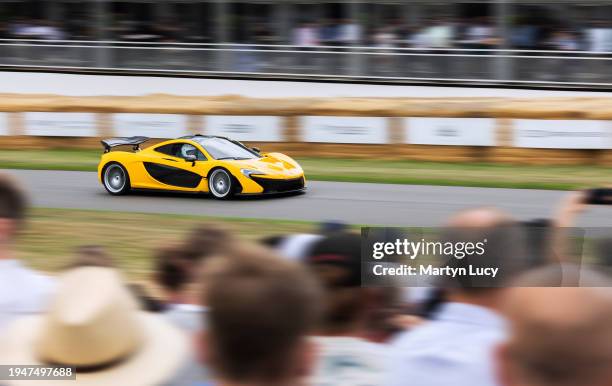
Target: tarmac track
356	203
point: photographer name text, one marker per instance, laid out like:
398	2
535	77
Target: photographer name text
432	270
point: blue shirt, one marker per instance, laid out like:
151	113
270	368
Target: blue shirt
456	348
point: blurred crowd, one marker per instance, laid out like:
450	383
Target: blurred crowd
291	310
436	42
455	33
435	32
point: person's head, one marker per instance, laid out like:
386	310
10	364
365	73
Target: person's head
335	260
95	325
261	310
206	240
272	241
98	256
13	206
504	247
92	256
172	269
559	336
332	226
177	265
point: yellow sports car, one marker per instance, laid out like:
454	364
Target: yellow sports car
197	163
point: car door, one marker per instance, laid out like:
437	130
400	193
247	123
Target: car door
167	168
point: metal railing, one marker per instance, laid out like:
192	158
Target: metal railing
406	64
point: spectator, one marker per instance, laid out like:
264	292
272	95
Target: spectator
306	36
22	291
328	33
263	35
258	326
350	33
564	41
37	29
97	256
297	246
456	346
346	357
49	30
570	207
420	38
599	37
524	36
19	28
94	324
384	38
177	273
482	34
4	31
558	336
92	256
440	35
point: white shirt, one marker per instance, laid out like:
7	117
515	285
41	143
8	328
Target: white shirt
440	36
348	361
480	33
421	39
456	348
22	291
600	39
384	39
306	37
190	318
298	246
350	33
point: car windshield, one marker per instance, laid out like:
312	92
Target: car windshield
221	148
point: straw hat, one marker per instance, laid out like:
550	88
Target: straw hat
95	325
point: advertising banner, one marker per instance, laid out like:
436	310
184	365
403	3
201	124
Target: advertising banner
562	134
450	131
150	125
4	124
245	128
345	129
49	124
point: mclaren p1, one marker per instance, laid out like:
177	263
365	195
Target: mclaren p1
197	163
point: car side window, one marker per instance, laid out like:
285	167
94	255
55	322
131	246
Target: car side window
166	149
181	150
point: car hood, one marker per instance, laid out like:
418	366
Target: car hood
272	164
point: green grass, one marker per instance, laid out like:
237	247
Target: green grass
51	235
54	159
458	174
377	171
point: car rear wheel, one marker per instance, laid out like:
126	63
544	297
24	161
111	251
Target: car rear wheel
220	184
116	179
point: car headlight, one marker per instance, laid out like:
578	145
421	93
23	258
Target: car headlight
251	172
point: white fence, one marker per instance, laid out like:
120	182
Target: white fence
484	132
456	65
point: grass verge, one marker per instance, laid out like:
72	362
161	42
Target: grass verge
51	235
376	171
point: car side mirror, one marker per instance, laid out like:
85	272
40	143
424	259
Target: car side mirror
191	158
256	149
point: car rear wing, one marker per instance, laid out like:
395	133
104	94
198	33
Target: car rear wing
123	141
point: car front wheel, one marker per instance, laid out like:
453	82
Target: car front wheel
220	184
